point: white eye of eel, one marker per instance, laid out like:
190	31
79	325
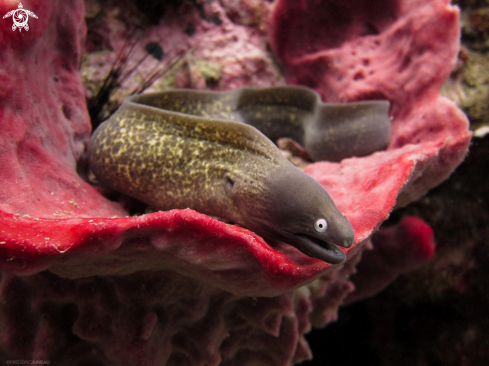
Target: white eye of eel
321	225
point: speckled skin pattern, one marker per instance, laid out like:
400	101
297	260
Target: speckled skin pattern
169	161
190	149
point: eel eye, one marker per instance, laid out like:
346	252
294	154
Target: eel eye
321	225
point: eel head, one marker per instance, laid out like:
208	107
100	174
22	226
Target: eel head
297	210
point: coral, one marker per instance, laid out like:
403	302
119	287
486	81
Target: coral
397	249
468	86
161	317
84	283
402	53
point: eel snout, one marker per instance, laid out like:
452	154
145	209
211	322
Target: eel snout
325	250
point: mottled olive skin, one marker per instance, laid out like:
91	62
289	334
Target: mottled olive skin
172	162
187	149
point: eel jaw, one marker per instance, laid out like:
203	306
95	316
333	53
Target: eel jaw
325	251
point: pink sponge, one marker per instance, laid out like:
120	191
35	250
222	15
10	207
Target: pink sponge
396	249
51	219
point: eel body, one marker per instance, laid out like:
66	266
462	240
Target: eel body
199	150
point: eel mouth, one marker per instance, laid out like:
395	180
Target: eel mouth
323	250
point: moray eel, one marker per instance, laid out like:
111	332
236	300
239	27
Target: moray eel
191	149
